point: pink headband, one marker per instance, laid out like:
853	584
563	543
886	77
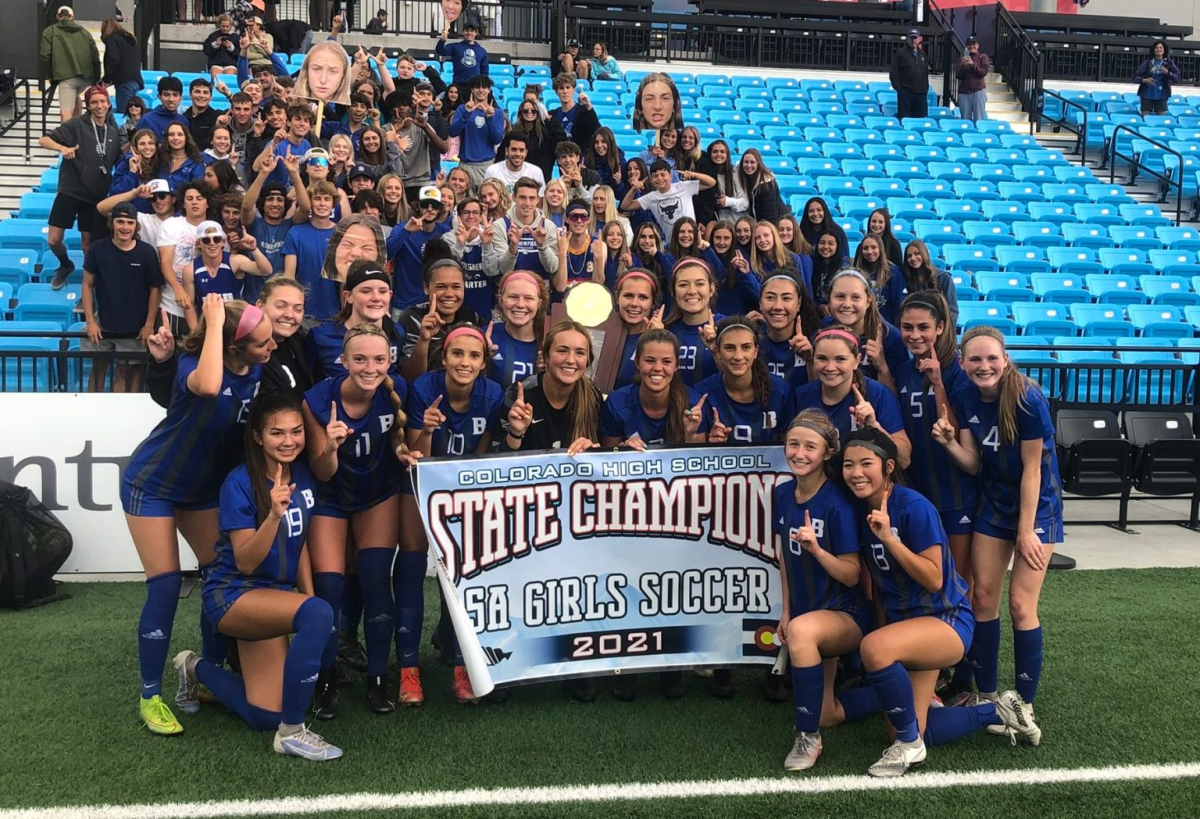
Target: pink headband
522	274
251	316
464	331
637	274
690	261
836	333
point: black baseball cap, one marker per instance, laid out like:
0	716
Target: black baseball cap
423	86
572	43
913	34
125	210
972	40
360	170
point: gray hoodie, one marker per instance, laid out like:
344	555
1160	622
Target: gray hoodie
89	174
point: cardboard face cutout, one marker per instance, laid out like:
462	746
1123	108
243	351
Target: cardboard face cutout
657	104
452	10
325	74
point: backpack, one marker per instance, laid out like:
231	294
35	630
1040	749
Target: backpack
34	545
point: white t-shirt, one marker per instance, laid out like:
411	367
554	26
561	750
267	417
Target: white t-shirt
501	171
149	228
179	233
668	208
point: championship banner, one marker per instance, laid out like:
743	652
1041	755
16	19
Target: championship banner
556	567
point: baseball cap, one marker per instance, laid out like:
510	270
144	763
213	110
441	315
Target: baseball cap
93	90
913	33
429	193
316	153
471	24
125	210
572	43
423	86
360	170
208	229
160	186
972	40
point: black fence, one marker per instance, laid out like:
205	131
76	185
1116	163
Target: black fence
951	48
38	362
15	110
1019	62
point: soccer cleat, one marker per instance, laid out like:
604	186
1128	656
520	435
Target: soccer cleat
721	684
412	695
805	751
671	684
1017	715
306	744
898	758
187	695
580	690
158	717
351	652
325	697
377	696
60	276
462	687
625	688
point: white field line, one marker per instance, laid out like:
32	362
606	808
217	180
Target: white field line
647	791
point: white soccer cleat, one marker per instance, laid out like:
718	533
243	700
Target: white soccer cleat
307	745
1019	714
187	695
898	758
805	751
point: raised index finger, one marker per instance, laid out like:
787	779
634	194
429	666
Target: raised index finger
332	411
435	403
278	475
807	519
700	403
858	395
945	413
520	392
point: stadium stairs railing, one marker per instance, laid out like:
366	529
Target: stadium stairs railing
1080	130
1172	178
1020	63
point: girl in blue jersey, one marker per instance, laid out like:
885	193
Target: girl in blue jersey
768	254
852	304
261	557
824	614
657	408
522	304
737	286
872	262
748	404
577	260
924	384
692	320
453	412
927	622
1006	437
612	254
789	315
637	305
915	275
687	243
173	479
850	399
353	425
366	299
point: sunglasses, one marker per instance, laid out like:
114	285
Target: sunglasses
577	217
212	240
429	206
319	161
163	195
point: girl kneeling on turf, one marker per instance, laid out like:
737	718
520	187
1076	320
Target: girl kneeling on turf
1007	439
261	556
927	619
824	614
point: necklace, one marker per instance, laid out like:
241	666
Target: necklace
101	144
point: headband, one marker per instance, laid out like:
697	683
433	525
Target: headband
784	276
736	326
370	274
523	274
251	316
873	447
928	305
639	274
850	271
831	442
691	260
467	330
836	333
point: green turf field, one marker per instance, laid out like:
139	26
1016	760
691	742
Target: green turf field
1119	689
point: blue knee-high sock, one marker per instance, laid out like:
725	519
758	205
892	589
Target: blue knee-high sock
1027	656
943	725
964	673
375	577
352	605
231	691
896	695
214	646
328	587
312	623
409	581
859	702
986	647
154	629
808	690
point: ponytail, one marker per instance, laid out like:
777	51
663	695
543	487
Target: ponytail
358	331
266	405
1014	385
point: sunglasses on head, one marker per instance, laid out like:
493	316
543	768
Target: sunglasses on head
212	240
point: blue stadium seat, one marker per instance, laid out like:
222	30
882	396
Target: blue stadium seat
1115	289
1093	236
908	208
1079	260
1162	259
1106	194
16	268
1051	212
969	257
1099	214
24	234
1026	191
990	313
1154	384
36	206
1066	193
1098	385
1158	321
1178	238
1008	212
38	302
49	181
1145	214
991	234
1135	236
1171	290
1043	318
1060	288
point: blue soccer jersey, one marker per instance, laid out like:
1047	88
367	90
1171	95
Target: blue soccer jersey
368	471
916	524
323	346
224	282
479	291
810	588
623	416
514	360
463	431
783	361
188	454
887	409
1000	466
932	472
225	582
752	422
695	360
628	368
894	351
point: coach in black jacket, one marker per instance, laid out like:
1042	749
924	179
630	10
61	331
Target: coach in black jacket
910	78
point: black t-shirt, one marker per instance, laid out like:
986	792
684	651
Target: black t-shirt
202	125
551	428
124	279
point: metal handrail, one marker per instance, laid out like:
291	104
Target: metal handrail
953	46
1082	134
19	114
1020	63
1136	163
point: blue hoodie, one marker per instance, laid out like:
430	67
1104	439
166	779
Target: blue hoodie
480	134
157	119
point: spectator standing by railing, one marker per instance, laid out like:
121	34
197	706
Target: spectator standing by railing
910	79
70	58
122	62
972	88
1154	77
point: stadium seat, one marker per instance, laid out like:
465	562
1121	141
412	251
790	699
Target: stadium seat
1061	288
1134	236
1168	455
16	268
1169	290
1030	259
1158	321
1094	460
968	257
38	302
1155	383
991	234
1038	234
1043	318
989	313
1101	320
1094	385
24	234
1093	236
